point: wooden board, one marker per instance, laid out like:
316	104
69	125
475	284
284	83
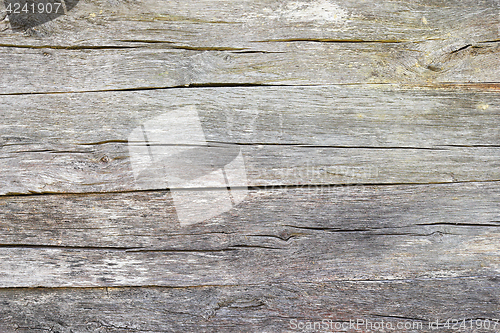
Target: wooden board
369	135
78	143
154	44
293	235
256	308
398	253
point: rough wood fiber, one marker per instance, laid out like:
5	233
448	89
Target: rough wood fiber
390	94
252	308
123	45
289	235
288	135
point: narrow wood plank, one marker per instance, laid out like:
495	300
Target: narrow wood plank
155	43
287	235
256	308
78	143
59	70
205	22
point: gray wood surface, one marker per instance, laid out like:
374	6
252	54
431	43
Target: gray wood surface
77	143
127	45
398	253
340	233
256	308
369	132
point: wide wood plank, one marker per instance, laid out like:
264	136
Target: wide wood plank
287	235
253	308
107	169
78	143
333	115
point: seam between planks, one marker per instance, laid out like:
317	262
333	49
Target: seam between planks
256	188
444	85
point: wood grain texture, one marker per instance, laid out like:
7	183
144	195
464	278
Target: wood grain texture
288	235
255	308
151	44
369	131
288	136
394	253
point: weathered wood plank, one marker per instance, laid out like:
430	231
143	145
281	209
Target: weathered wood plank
338	115
147	219
288	235
152	44
288	136
108	169
144	67
46	70
240	22
255	308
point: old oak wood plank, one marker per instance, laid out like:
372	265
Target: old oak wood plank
77	143
147	219
252	308
232	24
123	45
60	70
286	235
